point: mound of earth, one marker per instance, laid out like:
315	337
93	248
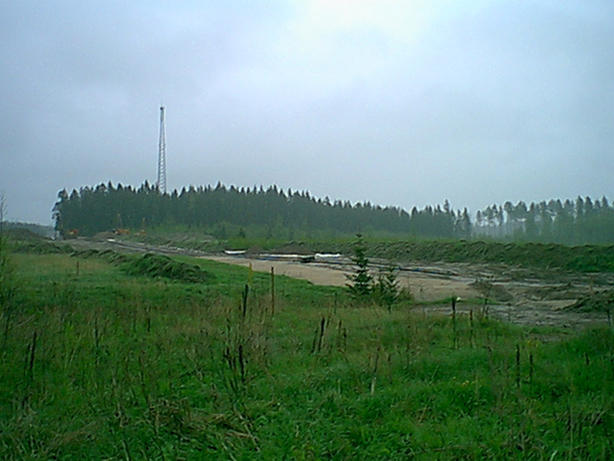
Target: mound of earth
101	236
492	290
109	255
600	301
40	245
299	248
156	265
24	235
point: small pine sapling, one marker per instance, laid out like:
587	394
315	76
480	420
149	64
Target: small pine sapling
387	287
360	282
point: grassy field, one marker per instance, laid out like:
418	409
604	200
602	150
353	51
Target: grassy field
101	360
582	258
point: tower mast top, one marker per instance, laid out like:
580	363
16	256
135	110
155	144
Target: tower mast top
161	182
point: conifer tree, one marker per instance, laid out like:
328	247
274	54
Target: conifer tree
387	287
360	282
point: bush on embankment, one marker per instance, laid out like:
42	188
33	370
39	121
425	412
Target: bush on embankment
587	258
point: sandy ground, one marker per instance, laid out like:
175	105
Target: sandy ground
313	272
524	297
437	282
424	287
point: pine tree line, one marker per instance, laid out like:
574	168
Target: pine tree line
568	222
105	206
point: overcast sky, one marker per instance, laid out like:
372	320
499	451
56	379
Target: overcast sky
395	102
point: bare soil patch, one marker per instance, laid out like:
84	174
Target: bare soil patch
518	295
521	298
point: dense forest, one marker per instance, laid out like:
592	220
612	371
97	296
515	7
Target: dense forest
288	213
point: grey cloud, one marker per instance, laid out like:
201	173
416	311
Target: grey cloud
501	102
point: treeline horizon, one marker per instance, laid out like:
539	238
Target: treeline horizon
223	210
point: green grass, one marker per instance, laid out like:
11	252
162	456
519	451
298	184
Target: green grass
586	258
533	256
136	367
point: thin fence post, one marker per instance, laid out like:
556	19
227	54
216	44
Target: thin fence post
517	365
471	327
272	291
454	318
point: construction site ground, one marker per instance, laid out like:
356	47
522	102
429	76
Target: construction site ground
521	296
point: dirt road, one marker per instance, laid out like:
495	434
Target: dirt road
425	287
525	302
515	295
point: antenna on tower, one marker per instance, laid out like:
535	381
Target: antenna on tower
161	183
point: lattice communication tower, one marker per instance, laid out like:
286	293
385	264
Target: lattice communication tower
161	183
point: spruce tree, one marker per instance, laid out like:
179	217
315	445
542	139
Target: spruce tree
360	282
387	287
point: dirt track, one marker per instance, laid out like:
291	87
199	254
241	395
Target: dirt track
516	295
425	287
527	302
